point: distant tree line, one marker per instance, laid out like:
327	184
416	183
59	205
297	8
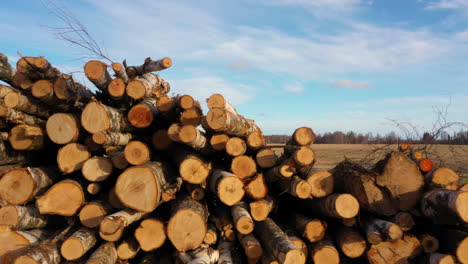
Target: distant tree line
339	137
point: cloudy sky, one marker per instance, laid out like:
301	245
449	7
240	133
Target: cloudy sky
329	64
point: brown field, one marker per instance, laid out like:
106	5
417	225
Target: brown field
328	155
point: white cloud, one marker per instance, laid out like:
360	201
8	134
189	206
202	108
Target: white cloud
203	87
448	4
330	9
239	65
294	88
349	84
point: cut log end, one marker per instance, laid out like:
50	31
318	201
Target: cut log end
256	140
95	118
9	216
352	243
315	230
151	234
462	251
327	255
218	141
236	146
321	183
71	157
72	249
260	209
26	137
404	220
429	243
445	177
301	189
243	167
186	229
141	116
266	158
304	156
116	88
95	70
64	198
230	190
216	101
136	89
186	102
42	89
194	170
426	165
17	186
304	136
216	118
461	206
191	116
137	153
346	206
62	128
97	169
91	214
437	258
165	104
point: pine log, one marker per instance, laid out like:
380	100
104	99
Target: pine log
236	147
257	187
293	237
149	66
71	157
274	240
260	209
394	185
378	230
13	243
22	81
44	253
443	178
252	247
295	186
186	102
6	71
112	226
26	137
37	67
150	234
196	191
120	71
108	138
116	89
242	219
398	251
324	251
144	113
309	228
19	186
128	249
166	104
137	153
173	132
17	117
66	89
43	90
243	167
285	169
93	212
187	225
105	254
227	252
350	242
146	85
223	221
76	245
63	128
221	120
97	169
404	220
22	217
192	137
21	102
256	140
266	158
98	117
192	116
226	186
321	182
63	198
96	72
143	188
211	235
302	156
438	258
303	136
335	205
192	167
161	140
218	141
218	101
445	206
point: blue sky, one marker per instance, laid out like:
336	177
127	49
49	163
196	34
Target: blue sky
328	64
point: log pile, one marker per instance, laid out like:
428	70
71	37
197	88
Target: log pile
132	174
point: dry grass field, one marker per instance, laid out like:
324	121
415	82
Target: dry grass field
328	155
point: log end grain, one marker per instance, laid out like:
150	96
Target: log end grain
137	153
304	156
97	169
151	234
194	170
462	251
327	255
9	215
64	198
266	158
315	230
218	141
429	243
446	177
304	136
301	189
236	146
26	137
61	90
71	157
256	140
72	249
191	116
322	183
461	206
42	89
216	118
95	70
141	116
346	205
352	244
186	229
243	167
91	214
95	118
165	104
116	88
62	128
136	89
216	101
186	102
17	186
230	190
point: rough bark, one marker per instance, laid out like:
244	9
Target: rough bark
108	138
187	225
277	242
143	188
378	230
149	66
17	117
445	206
335	205
112	226
44	253
9	157
20	102
66	89
120	71
105	254
21	185
63	198
6	71
96	72
151	234
98	117
76	245
147	84
226	186
71	157
231	124
242	219
252	247
22	217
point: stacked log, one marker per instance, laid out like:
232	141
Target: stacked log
130	174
